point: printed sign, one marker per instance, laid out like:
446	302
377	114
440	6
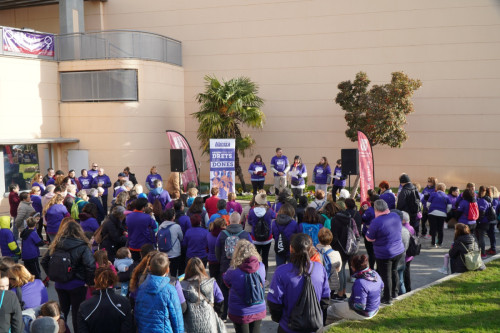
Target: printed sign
365	165
222	165
19	41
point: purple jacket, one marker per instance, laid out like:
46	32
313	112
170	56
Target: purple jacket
150	180
280	164
41	186
195	242
255	177
389	198
30	244
235	281
453	200
54	216
234	206
337	172
86	182
367	218
183	220
366	291
141	229
463	208
92	173
322	175
286	287
89	224
34	294
426	192
483	204
36	203
287	226
386	231
106	182
439	201
211	240
160	194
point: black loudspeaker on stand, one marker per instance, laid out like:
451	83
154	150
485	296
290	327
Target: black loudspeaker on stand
178	160
350	163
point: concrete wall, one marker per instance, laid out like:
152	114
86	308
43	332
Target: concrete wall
298	51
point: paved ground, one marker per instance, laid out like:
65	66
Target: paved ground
423	271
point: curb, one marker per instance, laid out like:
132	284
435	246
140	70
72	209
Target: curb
409	294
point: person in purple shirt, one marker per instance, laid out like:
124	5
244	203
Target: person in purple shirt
462	212
36	199
213	263
195	240
85	180
387	195
34	292
141	228
283	228
180	217
258	171
53	214
288	281
150	179
385	233
322	175
280	167
493	193
245	260
298	173
438	206
426	192
88	218
364	302
453	193
484	203
52	180
93	170
339	180
158	193
102	180
38	181
31	243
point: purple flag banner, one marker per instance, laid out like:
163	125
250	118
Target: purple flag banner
19	41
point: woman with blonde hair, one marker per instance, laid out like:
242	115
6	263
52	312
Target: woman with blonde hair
246	267
150	179
38	181
53	213
140	191
70	285
232	205
33	291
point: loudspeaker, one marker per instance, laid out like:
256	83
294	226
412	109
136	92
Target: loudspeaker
178	160
350	161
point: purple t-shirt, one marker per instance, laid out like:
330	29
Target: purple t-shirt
54	216
386	231
34	294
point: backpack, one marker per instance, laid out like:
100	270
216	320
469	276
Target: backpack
328	222
473	213
472	259
164	239
282	244
325	259
306	315
261	230
414	246
312	230
254	289
75	212
60	266
413	201
352	243
491	214
230	243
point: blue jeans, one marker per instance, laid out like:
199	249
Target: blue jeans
491	236
401	271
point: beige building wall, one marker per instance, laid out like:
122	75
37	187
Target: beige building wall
298	51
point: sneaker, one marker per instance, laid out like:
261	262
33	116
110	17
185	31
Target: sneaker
438	246
483	256
427	237
337	299
386	302
443	270
491	252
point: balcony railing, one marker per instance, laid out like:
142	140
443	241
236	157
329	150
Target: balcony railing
110	44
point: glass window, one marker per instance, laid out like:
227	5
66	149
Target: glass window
20	165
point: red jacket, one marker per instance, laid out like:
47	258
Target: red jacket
14	201
211	205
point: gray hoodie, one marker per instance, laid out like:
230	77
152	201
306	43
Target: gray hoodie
176	237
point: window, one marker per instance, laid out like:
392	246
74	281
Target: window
20	165
99	86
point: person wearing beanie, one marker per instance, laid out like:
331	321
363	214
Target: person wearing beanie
45	325
195	240
409	200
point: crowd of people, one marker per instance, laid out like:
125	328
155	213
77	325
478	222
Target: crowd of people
155	248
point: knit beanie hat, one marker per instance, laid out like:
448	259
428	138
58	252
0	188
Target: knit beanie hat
45	325
404	178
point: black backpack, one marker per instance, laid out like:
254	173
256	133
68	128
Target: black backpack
60	266
413	202
261	230
282	243
306	315
414	246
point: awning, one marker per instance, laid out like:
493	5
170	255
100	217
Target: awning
35	141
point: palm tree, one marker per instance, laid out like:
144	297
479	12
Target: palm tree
225	107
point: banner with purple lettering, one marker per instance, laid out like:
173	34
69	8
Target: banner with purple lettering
19	41
222	165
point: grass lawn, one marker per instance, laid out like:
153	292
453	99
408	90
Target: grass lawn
468	303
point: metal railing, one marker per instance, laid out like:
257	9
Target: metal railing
112	44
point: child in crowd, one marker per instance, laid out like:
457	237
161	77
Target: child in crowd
8	245
51	309
329	258
122	263
101	260
30	246
192	194
232	205
301	208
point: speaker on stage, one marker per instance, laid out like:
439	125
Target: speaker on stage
350	161
178	160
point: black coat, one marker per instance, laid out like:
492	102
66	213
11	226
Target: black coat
105	312
83	263
405	198
101	214
340	226
131	177
458	251
112	235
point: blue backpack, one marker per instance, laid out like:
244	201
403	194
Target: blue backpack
325	259
254	289
165	239
312	230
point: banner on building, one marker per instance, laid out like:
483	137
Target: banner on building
222	165
178	141
366	177
35	43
